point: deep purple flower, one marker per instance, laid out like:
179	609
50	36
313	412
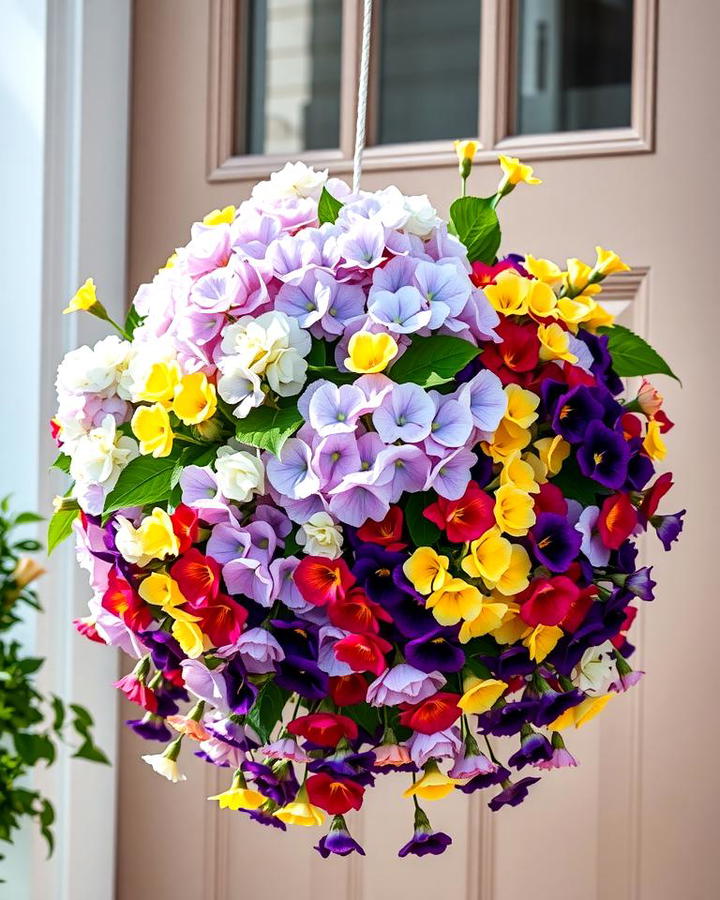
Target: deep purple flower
375	569
641	584
344	764
601	367
338	841
278	783
513	661
573	412
534	748
150	728
165	651
640	471
302	676
513	793
296	637
166	698
480	782
668	528
435	652
241	691
604	455
265	818
552	704
508	719
424	839
554	541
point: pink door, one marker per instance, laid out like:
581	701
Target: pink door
614	103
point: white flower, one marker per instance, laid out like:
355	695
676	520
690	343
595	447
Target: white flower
287	374
144	356
166	767
93	370
98	457
239	385
240	474
293	180
321	536
596	670
423	217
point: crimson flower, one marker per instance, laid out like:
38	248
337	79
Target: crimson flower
346	690
548	600
363	652
221	619
464	519
387	533
335	795
185	526
356	612
518	351
137	691
436	713
322	580
197	575
654	495
324	729
617	520
124	602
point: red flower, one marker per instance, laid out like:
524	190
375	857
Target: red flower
335	795
665	423
346	690
433	714
363	652
579	609
55	431
356	612
221	619
197	575
322	580
138	692
518	351
618	517
185	526
482	275
386	533
324	729
654	495
548	600
86	627
122	601
464	519
550	499
631	426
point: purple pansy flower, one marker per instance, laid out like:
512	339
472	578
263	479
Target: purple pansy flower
338	841
604	455
424	839
513	793
668	528
554	541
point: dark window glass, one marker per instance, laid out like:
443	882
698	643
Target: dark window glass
429	70
288	76
574	62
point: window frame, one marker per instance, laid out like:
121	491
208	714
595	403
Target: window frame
497	93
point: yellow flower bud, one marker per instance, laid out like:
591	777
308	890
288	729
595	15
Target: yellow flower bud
85	298
224	216
608	263
515	172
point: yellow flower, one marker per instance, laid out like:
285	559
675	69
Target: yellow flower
515	578
161	590
224	216
578	275
426	570
488	619
480	695
600	318
301	812
189	636
653	444
195	399
541	640
554	343
434	784
170	262
466	150
537	465
519	472
368	353
509	294
239	798
515	171
553	452
582	713
574	310
454	601
160	384
507	440
85	298
521	405
542	301
544	270
512	627
514	510
151	426
608	263
154	538
489	556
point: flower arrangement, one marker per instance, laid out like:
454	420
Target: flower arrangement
367	494
31	723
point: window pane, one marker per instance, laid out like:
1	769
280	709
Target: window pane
575	65
429	70
289	76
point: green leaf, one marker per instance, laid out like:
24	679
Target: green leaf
82	719
430	361
62	462
269	428
366	716
33	747
132	320
477	226
60	527
328	207
58	713
46	817
318	353
477	668
30	664
144	480
267	710
575	485
26	517
423	532
331	373
89	750
632	355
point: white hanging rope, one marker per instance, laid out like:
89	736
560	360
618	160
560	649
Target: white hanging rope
362	94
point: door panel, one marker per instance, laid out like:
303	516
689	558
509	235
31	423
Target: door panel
636	820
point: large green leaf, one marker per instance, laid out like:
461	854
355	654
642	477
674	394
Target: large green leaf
366	716
632	355
62	462
144	480
60	527
269	428
267	710
430	361
328	207
575	485
132	320
423	532
476	224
